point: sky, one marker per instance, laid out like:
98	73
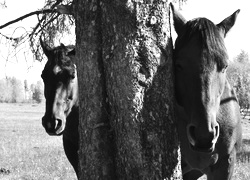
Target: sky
23	65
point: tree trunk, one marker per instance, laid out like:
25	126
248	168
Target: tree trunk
127	128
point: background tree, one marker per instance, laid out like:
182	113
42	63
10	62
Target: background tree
5	90
26	89
12	90
17	90
37	92
239	76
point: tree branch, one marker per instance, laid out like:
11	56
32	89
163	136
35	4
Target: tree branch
27	15
46	17
9	38
51	20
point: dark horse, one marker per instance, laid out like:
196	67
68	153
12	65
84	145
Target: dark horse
61	93
207	109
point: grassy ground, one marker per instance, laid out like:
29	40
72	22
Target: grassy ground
26	151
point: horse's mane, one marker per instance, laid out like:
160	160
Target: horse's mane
212	44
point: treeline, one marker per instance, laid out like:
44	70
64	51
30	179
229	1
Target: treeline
239	76
13	90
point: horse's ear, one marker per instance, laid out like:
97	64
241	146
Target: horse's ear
179	20
46	49
228	23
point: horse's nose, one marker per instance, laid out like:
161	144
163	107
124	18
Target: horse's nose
53	126
203	139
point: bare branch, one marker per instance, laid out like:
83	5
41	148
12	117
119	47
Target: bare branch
42	28
51	22
61	9
27	15
9	38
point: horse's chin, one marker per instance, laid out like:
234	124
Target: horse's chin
55	134
201	149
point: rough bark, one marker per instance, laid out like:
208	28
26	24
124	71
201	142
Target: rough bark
95	143
124	53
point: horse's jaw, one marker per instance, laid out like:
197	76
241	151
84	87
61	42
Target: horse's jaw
208	148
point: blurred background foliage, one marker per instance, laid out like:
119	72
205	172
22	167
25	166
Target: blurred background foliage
239	77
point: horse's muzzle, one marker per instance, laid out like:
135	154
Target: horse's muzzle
202	142
207	148
53	127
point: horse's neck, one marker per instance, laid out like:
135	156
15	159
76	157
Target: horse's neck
74	114
71	129
73	117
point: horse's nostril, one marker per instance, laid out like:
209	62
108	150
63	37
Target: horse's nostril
191	134
202	139
216	133
217	130
58	124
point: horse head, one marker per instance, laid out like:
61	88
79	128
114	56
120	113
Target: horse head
200	60
60	87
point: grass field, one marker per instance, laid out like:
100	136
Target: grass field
28	153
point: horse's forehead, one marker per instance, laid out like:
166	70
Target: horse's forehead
188	53
193	55
188	46
55	62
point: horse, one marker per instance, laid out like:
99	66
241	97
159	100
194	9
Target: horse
61	93
207	110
